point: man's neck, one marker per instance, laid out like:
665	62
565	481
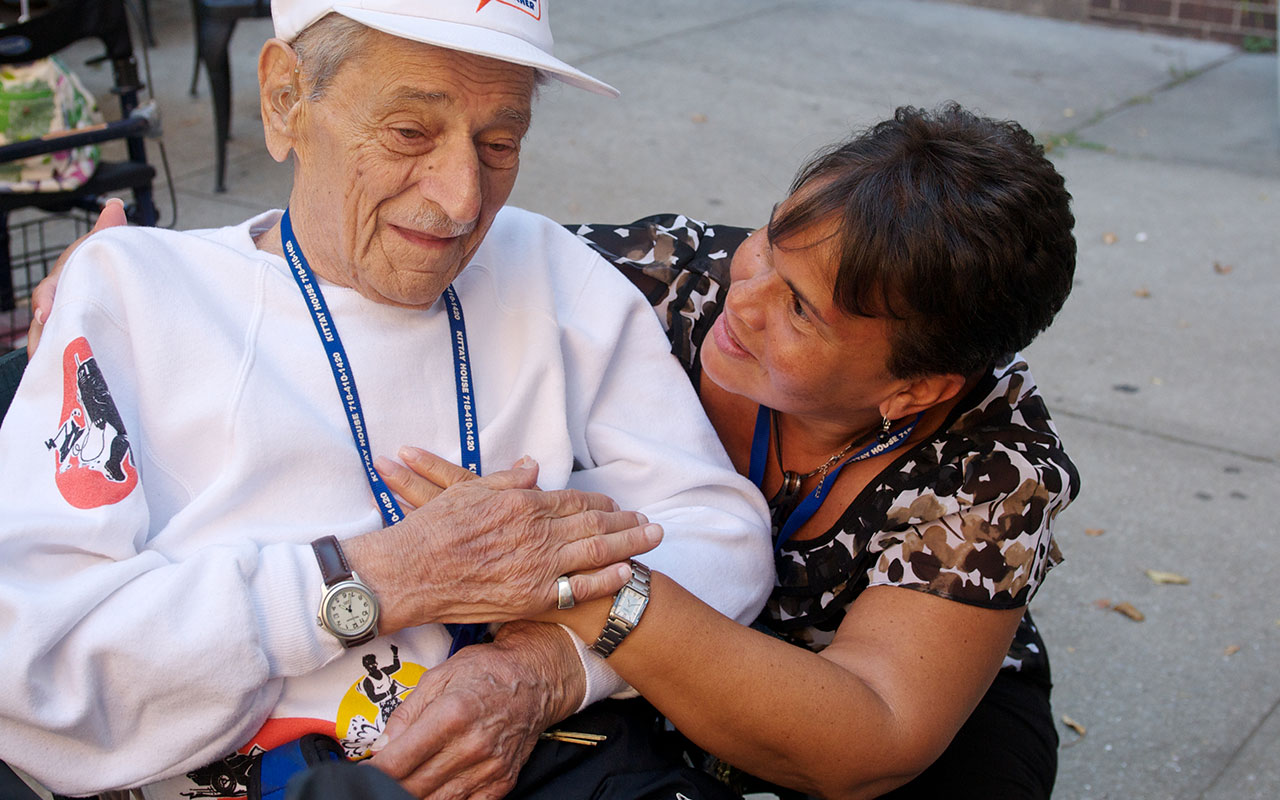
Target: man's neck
269	241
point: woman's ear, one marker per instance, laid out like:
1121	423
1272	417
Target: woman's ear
279	94
920	394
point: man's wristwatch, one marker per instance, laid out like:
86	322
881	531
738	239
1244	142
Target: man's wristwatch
628	606
349	608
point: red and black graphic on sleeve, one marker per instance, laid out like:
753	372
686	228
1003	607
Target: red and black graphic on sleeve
91	448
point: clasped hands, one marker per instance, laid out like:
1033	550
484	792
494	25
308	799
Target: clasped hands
489	549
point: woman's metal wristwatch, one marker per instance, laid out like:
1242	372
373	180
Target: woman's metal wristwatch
628	606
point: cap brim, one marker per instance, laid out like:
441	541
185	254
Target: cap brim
478	41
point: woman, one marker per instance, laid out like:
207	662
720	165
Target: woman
858	360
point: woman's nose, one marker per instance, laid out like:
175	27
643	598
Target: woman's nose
744	301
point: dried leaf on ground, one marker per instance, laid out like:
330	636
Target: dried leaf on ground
1103	602
1142	292
1073	725
1094	531
1129	611
699	118
1109	238
1232	650
1221	269
1168	577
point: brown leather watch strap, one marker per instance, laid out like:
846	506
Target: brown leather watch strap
333	564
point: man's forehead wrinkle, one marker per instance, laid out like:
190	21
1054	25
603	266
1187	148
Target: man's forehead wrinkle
410	96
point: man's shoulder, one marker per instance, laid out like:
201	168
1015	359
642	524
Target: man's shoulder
127	265
534	261
138	239
517	230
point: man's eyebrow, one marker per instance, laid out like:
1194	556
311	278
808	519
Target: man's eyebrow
514	114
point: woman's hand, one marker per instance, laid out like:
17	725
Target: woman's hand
112	216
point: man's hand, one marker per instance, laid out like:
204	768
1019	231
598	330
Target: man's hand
470	724
423	478
42	298
491	549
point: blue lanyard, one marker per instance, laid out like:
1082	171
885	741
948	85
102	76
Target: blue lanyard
463	635
786	527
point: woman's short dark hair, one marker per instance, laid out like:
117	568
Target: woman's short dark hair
953	226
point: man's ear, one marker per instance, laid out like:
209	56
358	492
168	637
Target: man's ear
279	94
919	394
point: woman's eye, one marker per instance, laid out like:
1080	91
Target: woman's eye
797	307
409	133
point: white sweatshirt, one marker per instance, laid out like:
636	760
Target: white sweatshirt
158	594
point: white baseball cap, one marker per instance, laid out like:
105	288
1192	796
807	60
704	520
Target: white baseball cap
517	31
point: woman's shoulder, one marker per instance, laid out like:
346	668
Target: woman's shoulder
681	266
659	252
1003	436
970	513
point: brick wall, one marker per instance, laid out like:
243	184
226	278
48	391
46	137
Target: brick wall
1223	20
1235	21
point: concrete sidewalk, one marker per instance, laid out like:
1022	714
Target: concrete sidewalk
1161	370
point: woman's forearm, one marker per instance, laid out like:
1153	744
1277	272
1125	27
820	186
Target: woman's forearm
779	711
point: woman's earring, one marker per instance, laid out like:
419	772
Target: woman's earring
883	435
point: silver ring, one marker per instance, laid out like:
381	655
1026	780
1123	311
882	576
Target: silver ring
564	593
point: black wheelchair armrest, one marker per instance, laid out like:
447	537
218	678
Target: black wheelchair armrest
56	142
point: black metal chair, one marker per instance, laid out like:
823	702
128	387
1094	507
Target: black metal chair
60	25
215	22
12	366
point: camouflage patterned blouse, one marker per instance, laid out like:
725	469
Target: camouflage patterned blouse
966	514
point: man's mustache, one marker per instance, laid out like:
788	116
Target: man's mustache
437	223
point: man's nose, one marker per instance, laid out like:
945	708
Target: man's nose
452	181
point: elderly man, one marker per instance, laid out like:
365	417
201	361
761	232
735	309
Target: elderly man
180	485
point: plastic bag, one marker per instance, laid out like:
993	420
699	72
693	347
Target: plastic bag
37	99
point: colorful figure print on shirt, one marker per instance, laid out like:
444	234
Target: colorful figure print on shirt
357	723
94	464
226	778
367	705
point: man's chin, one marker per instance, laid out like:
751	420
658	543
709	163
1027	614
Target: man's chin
418	291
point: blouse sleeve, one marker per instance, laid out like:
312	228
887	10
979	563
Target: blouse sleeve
679	264
989	543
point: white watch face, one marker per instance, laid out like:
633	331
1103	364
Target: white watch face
350	611
629	604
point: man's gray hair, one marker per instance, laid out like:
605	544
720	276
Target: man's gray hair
329	42
324	46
